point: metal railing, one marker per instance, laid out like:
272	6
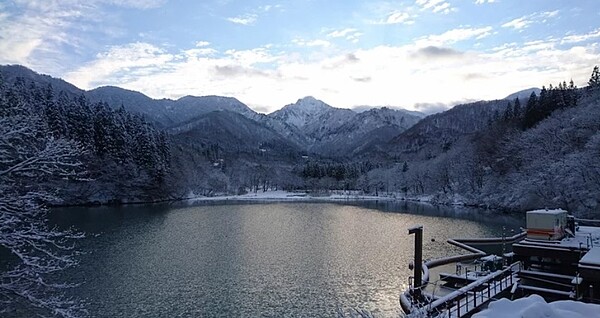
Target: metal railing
466	299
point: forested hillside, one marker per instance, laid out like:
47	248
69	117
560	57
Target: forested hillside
541	153
124	158
517	154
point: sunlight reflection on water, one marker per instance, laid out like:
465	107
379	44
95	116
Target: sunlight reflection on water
260	259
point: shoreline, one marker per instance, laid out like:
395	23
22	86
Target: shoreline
296	196
287	196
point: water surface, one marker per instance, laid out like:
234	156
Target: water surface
260	259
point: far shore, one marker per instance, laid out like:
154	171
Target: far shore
279	195
295	196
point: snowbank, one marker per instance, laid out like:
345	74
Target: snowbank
292	196
535	306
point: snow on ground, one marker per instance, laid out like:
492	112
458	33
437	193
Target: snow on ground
333	196
535	306
292	196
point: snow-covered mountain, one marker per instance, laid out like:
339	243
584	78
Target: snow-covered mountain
334	131
234	133
10	74
364	130
478	151
313	117
303	112
167	112
439	131
524	94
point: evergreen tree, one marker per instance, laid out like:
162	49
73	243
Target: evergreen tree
517	108
508	115
594	82
530	111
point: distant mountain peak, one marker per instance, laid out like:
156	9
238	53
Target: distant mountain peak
115	90
210	97
387	109
307	98
310	104
524	94
302	112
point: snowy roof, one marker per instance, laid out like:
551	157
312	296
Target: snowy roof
546	211
535	306
592	257
585	235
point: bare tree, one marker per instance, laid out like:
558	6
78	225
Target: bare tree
31	161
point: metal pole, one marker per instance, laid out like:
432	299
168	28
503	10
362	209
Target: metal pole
418	263
503	246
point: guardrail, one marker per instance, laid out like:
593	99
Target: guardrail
470	297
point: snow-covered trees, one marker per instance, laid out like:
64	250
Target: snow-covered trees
543	154
50	143
126	156
31	160
130	157
551	99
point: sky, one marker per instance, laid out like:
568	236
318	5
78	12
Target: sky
424	55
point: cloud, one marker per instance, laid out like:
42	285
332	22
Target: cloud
340	61
311	43
349	34
250	57
341	33
351	57
252	16
433	52
36	33
238	70
455	35
484	1
381	75
577	38
474	76
199	52
246	19
437	6
364	79
270	7
202	43
517	24
432	108
123	63
138	4
397	17
525	21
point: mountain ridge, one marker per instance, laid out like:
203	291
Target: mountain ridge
309	124
10	72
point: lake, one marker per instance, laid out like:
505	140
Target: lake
258	259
